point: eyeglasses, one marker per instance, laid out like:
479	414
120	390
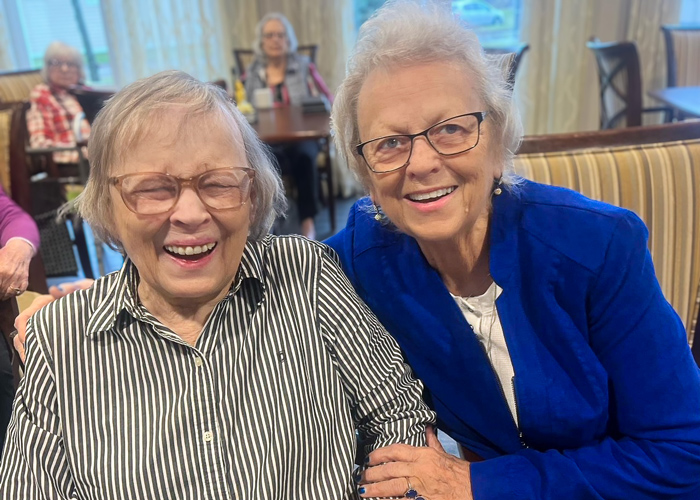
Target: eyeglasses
274	34
57	63
449	137
152	193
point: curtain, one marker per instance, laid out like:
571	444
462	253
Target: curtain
7	61
148	37
557	88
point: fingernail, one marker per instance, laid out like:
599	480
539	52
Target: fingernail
357	475
367	459
361	491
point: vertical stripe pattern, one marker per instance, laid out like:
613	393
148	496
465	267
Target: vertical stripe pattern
661	184
264	406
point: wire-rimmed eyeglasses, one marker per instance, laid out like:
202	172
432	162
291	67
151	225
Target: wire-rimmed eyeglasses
154	193
449	137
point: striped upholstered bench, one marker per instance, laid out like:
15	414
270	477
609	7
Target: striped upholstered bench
15	86
653	171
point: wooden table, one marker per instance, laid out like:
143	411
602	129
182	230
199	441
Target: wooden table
684	99
289	124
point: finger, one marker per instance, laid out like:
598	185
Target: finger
386	472
392	488
19	347
432	439
65	288
393	453
21	320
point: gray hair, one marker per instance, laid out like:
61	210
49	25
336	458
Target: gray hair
288	28
64	52
402	33
132	112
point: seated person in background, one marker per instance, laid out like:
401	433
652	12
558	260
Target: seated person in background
19	240
531	313
55	115
290	77
221	361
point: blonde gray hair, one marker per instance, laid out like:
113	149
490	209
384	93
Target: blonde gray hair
293	44
133	111
406	32
63	52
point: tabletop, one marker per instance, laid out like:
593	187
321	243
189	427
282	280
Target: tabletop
291	124
684	99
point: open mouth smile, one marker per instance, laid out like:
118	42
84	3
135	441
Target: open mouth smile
431	196
190	252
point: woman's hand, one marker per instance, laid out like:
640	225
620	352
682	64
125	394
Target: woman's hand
433	473
14	267
55	292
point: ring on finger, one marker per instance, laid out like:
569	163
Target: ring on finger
411	493
15	290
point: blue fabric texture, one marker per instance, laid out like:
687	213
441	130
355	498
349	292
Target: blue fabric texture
607	392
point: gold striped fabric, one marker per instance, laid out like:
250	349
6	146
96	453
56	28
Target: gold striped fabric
661	184
5	121
17	87
686	52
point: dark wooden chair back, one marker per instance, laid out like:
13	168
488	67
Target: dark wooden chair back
682	55
512	57
620	79
91	100
245	57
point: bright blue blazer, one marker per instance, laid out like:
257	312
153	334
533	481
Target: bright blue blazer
607	392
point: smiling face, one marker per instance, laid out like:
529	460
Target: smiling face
275	43
434	198
63	72
214	238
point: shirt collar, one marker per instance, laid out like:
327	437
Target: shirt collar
122	294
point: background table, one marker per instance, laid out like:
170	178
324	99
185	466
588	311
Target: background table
684	99
290	124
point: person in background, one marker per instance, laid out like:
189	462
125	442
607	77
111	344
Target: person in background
220	361
290	77
531	313
19	241
55	117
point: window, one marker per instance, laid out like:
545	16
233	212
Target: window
497	22
37	23
690	12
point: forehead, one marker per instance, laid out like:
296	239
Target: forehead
273	25
404	99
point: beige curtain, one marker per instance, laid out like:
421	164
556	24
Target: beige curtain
557	87
6	58
330	24
148	37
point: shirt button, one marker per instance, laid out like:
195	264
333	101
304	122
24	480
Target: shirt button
208	436
198	362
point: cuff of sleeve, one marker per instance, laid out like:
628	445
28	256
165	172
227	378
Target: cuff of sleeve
26	241
508	477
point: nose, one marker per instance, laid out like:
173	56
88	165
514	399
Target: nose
424	159
190	211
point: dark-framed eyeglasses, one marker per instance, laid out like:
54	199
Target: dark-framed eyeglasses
274	34
449	137
57	63
154	193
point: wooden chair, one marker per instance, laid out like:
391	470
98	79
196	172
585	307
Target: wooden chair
653	171
512	56
8	313
245	57
620	85
682	55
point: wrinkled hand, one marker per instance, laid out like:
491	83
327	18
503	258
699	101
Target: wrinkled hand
15	257
433	473
55	292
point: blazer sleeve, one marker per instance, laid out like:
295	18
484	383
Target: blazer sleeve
16	223
652	450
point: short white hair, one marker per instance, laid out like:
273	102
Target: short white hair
132	112
63	52
288	28
406	32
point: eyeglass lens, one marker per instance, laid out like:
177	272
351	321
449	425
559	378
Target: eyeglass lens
450	137
152	193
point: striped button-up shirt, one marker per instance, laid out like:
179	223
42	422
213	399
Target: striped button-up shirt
114	405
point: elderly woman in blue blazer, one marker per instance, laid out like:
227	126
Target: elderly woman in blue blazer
531	313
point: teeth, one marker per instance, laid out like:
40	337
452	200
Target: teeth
433	194
190	250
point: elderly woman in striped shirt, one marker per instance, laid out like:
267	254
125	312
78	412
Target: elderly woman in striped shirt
220	362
